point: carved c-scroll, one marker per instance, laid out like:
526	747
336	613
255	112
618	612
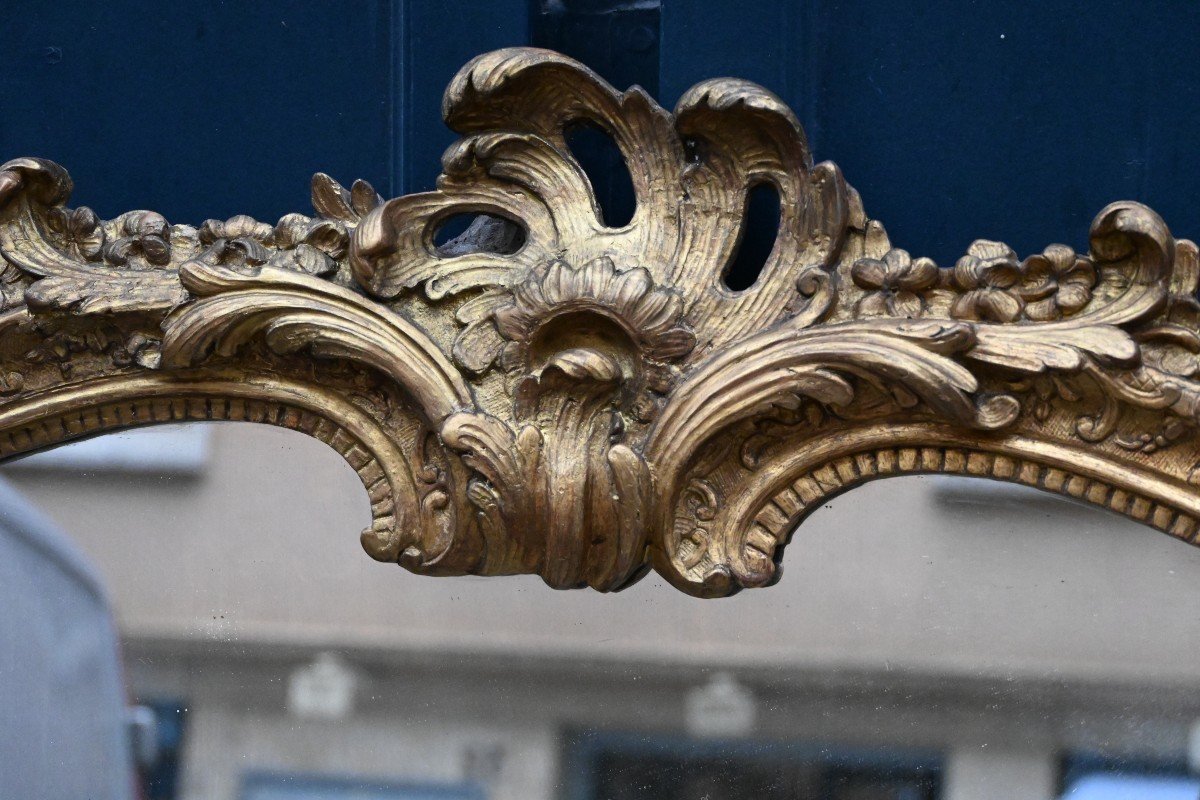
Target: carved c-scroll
564	398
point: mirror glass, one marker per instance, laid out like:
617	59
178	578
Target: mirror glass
930	636
187	613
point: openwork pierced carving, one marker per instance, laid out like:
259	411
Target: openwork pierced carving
550	395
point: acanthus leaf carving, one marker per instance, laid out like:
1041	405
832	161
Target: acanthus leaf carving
550	395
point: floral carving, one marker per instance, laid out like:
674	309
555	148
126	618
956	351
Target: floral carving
1058	283
141	235
988	277
296	242
233	229
894	284
995	287
82	233
60	345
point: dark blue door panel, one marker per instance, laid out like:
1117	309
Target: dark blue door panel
439	37
200	108
960	120
955	119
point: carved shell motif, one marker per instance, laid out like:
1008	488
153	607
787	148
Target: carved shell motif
556	396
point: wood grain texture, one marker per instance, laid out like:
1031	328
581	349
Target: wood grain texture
559	397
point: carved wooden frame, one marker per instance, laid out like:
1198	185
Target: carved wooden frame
550	395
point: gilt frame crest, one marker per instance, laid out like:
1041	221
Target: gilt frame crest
550	395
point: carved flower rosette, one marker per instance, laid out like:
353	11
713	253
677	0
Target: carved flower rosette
548	394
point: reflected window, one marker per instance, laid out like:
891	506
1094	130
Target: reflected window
633	767
1099	778
282	786
160	772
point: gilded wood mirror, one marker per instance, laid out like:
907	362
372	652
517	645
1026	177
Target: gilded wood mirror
547	394
553	393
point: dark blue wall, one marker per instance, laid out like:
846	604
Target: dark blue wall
955	119
959	120
200	108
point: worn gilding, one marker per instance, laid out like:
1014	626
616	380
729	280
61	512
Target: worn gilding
550	395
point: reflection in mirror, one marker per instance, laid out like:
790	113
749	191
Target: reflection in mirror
985	641
165	449
478	233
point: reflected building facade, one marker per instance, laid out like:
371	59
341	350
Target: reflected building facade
930	638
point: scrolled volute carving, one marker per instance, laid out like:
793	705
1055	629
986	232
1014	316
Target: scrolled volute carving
551	395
